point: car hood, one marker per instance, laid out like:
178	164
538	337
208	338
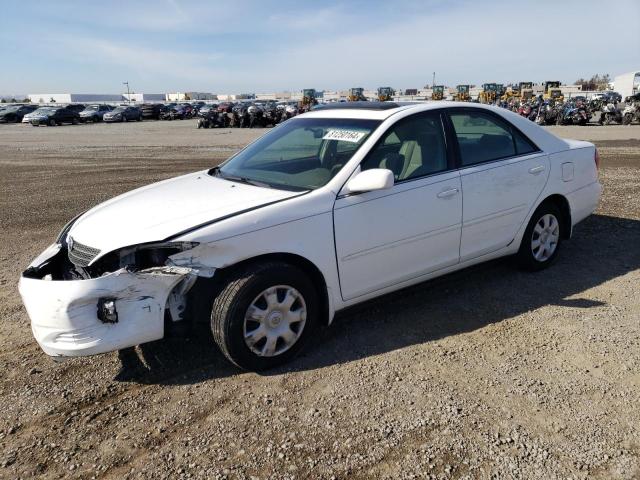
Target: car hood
161	210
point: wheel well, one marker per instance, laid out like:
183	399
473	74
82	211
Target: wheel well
296	260
563	205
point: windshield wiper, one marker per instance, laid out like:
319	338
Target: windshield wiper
216	172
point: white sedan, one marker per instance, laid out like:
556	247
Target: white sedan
329	209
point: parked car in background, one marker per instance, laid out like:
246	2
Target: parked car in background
123	113
607	97
177	112
75	107
53	116
151	110
15	113
330	209
37	111
94	113
205	110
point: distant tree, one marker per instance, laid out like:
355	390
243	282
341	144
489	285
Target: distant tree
596	82
13	100
3	100
52	100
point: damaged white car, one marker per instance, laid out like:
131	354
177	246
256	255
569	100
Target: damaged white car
328	209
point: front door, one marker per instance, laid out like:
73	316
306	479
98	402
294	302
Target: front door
390	236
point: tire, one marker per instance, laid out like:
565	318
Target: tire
248	288
626	120
51	122
74	121
124	118
547	218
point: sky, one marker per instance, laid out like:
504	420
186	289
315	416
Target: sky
242	46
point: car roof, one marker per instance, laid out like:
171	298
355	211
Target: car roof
383	110
541	137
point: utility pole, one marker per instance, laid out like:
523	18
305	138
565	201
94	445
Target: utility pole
433	82
128	94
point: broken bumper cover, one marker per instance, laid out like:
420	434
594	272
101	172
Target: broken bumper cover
64	313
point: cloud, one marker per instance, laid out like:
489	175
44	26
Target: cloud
252	46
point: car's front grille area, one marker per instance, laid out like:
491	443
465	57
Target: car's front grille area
81	255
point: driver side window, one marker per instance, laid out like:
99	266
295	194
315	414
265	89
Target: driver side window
414	147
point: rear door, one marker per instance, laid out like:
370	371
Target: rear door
502	174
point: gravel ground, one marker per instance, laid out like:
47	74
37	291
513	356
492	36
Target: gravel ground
486	373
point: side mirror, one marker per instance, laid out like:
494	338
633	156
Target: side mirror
370	180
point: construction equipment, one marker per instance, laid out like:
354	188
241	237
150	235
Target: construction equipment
385	94
462	94
357	95
308	99
437	92
552	91
520	91
489	93
500	90
526	91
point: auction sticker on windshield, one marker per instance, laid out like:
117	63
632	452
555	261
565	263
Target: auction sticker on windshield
353	136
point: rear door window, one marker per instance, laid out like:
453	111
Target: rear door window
481	138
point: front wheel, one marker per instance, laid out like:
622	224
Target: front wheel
264	315
541	241
626	120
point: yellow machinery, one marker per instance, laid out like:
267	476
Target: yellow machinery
308	98
500	90
462	94
526	91
437	92
489	93
520	91
385	94
357	95
552	91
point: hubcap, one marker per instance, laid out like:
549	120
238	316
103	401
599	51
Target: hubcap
544	239
274	321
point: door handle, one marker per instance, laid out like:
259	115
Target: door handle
448	193
536	170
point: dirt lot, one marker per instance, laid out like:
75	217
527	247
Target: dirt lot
487	373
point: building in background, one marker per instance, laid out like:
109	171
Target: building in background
187	96
95	97
74	97
143	97
627	84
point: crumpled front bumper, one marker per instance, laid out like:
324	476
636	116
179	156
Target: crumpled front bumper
64	313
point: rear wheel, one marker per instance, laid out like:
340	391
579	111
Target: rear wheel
264	315
74	121
52	122
626	120
541	241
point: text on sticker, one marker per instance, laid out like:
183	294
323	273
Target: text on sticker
352	136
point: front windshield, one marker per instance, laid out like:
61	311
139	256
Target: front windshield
119	109
300	154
